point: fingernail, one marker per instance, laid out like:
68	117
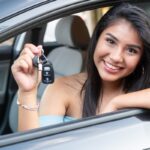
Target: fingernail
40	46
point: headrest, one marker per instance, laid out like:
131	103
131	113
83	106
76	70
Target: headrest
72	31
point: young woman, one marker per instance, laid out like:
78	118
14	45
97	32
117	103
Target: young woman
117	76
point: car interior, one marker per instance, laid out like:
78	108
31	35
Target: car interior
70	53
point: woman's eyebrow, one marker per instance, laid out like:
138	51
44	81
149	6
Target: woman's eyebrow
129	45
112	36
135	46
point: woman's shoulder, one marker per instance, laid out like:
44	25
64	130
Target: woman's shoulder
68	84
63	93
71	81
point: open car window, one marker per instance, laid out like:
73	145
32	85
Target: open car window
115	124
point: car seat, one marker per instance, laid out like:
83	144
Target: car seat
71	32
73	36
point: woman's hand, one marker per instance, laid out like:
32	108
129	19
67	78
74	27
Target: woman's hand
109	108
138	99
25	74
114	104
129	100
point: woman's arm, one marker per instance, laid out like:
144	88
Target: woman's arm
27	78
139	99
27	119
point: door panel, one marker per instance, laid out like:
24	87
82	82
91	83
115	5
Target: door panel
5	63
4	69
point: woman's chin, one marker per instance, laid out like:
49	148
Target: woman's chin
110	78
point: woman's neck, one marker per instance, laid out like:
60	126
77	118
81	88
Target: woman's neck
110	87
109	91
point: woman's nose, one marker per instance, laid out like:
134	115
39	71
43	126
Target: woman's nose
117	56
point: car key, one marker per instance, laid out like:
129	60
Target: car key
45	66
35	61
47	73
42	59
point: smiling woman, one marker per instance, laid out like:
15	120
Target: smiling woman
116	57
118	45
115	47
113	80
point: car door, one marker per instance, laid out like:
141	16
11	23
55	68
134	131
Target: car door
6	56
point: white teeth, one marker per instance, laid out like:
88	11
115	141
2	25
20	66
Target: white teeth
111	66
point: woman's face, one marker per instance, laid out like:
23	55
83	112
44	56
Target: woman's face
118	51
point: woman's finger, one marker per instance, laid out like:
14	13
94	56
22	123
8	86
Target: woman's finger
35	50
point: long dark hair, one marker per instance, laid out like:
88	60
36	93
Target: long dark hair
140	78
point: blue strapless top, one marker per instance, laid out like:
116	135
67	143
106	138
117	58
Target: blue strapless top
51	120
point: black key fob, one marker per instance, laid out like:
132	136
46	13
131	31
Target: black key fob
35	61
46	67
47	73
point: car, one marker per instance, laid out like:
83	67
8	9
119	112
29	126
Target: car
37	21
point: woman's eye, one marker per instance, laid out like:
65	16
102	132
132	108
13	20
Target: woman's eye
132	51
110	41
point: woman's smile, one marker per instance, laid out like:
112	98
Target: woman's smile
110	68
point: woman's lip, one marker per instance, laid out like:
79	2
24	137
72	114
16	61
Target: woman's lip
111	68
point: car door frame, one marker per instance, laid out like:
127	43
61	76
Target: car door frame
42	132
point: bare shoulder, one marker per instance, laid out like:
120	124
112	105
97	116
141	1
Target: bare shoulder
75	81
63	92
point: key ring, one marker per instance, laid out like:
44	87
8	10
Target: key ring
39	60
43	58
46	67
